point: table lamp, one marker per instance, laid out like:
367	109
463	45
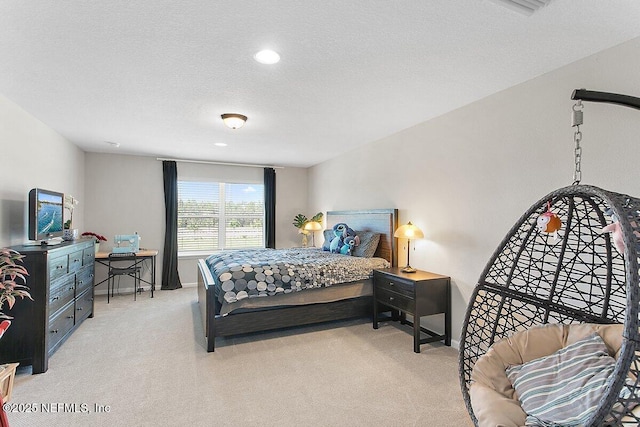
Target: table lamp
408	231
313	226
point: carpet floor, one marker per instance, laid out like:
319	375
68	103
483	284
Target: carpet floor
144	363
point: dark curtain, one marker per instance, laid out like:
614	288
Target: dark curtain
170	278
270	207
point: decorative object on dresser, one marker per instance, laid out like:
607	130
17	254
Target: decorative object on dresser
97	239
345	300
408	231
61	283
70	204
419	293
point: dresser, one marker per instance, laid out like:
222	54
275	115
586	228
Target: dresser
418	294
60	282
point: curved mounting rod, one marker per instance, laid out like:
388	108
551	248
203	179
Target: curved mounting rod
612	98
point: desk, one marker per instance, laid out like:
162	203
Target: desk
143	254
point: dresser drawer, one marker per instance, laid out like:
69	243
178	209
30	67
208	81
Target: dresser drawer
75	261
88	255
60	296
395	300
394	284
60	325
84	279
84	306
58	267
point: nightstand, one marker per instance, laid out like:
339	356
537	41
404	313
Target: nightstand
418	294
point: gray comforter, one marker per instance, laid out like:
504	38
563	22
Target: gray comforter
258	273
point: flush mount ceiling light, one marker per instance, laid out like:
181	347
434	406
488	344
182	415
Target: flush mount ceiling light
234	120
267	56
220	144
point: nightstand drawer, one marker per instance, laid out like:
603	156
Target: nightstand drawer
395	300
394	284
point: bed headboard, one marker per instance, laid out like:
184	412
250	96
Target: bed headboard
383	221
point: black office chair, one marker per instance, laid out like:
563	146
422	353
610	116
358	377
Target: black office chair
131	269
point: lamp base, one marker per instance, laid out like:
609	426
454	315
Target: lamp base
409	269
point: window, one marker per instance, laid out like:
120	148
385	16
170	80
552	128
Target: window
216	215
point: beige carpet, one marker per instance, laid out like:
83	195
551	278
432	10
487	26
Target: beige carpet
145	362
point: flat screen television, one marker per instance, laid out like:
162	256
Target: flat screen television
46	210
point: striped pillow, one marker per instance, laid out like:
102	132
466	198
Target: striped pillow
565	387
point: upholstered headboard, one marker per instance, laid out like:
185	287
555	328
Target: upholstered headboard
383	221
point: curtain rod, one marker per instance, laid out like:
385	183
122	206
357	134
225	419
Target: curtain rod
206	162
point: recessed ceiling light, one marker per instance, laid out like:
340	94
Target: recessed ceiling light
267	57
220	144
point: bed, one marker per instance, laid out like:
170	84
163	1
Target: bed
299	309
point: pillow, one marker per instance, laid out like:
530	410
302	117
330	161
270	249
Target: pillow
565	387
368	244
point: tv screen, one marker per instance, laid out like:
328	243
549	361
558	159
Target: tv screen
46	210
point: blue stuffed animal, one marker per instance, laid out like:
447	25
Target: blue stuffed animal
338	240
350	242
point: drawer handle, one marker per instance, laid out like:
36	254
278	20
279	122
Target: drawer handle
70	317
55	298
71	288
58	267
76	260
391	298
80	282
55	331
79	308
391	284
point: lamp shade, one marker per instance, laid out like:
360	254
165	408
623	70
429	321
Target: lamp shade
313	226
233	120
408	231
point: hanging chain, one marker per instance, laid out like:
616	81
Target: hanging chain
576	121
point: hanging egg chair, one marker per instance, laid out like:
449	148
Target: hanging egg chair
546	281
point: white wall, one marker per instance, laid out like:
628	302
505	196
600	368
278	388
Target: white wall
467	176
33	155
125	194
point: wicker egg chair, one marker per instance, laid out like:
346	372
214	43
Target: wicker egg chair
578	276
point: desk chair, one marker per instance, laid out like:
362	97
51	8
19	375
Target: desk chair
132	269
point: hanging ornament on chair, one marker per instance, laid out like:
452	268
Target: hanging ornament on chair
549	222
615	230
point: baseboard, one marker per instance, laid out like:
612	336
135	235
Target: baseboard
147	288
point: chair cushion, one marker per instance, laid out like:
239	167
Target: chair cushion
564	387
491	389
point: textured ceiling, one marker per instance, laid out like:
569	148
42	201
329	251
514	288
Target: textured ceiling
155	75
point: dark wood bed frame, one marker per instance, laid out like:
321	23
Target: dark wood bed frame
383	221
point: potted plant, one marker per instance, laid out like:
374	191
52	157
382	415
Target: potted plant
10	270
96	237
70	203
